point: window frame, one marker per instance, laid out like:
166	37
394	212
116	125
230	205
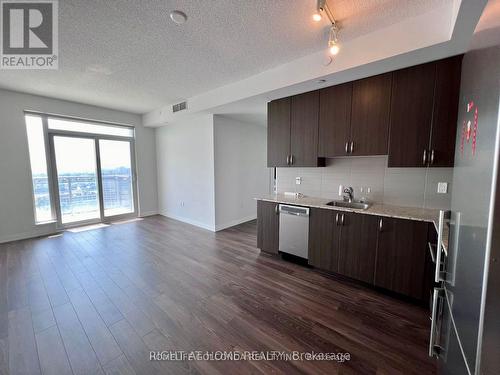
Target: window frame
51	172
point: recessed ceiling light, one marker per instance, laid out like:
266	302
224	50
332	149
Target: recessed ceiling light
178	17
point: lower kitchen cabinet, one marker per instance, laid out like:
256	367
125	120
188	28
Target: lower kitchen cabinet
268	226
386	252
401	257
323	239
358	246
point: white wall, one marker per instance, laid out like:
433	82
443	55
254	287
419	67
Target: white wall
241	173
185	157
16	203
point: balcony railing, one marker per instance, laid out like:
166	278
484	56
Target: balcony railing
79	193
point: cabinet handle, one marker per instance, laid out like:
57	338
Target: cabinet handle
337	219
277	209
288	160
342	220
291	159
352	147
432	157
424	158
380	224
347	147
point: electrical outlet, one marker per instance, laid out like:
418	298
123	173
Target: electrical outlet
298	180
442	188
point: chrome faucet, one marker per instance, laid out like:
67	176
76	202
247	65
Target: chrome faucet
348	194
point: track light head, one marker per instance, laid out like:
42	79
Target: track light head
320	5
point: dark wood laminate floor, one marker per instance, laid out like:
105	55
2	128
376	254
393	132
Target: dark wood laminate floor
98	301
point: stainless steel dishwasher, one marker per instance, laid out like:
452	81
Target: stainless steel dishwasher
294	230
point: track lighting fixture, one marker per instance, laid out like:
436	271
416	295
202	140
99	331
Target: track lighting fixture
322	7
332	40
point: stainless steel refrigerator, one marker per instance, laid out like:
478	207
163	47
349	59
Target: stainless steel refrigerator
465	309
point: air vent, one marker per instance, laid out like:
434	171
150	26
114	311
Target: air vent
179	107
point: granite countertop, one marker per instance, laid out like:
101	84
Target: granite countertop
378	209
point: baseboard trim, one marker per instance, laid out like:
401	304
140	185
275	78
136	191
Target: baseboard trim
233	223
148	213
189	221
26	235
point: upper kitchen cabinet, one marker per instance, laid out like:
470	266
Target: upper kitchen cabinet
354	117
335	120
371	102
424	109
304	113
411	115
293	131
445	112
278	133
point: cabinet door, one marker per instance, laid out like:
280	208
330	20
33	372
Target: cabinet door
411	115
334	120
323	239
444	119
304	129
358	245
371	99
401	257
268	226
278	132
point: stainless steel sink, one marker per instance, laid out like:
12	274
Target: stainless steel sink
355	205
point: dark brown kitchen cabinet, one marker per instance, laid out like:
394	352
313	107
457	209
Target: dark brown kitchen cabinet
424	108
371	98
354	117
335	120
268	226
445	112
278	132
293	131
304	114
401	257
411	115
358	246
324	237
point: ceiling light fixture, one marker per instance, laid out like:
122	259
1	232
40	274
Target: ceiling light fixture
322	7
333	40
178	17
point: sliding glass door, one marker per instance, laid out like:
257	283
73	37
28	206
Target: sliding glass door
94	178
77	179
117	177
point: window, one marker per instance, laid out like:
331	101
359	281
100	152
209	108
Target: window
39	173
82	171
86	127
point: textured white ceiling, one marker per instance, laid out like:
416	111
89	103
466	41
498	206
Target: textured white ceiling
129	55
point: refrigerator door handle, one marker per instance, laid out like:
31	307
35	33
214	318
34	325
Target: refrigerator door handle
432	251
434	316
438	274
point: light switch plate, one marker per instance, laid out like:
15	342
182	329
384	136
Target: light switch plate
442	187
298	180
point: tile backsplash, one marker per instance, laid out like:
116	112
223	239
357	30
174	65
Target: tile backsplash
415	187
